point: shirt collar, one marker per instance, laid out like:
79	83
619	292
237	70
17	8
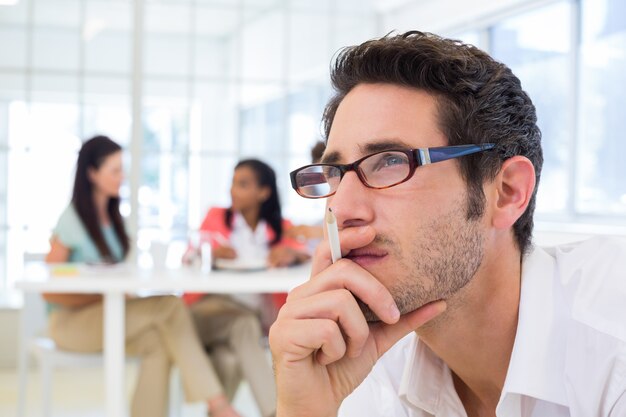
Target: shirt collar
427	381
537	362
240	224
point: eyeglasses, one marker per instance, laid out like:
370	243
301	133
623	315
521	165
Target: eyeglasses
379	170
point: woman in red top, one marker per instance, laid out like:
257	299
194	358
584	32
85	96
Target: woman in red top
250	232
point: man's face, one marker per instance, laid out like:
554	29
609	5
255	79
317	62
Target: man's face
425	248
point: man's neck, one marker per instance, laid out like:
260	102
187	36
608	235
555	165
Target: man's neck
475	336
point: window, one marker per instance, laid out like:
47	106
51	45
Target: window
212	91
536	46
600	181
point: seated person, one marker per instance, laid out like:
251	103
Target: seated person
251	228
158	329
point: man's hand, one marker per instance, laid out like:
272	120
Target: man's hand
322	345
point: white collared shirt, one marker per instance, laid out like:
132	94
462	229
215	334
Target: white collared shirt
249	244
252	247
569	355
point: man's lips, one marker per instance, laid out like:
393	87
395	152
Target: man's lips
366	255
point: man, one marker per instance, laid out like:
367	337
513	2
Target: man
432	160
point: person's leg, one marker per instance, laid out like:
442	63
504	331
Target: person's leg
81	330
227	366
169	316
220	320
244	340
152	389
77	329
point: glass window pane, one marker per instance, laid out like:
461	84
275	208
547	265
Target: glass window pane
56	48
106	109
16	14
57	13
262	122
210	178
214	118
12	86
46	175
107	34
163	191
601	145
167	40
306	106
263	56
44	126
536	46
13	41
308	45
352	29
166	129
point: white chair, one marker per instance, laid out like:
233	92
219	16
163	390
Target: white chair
33	341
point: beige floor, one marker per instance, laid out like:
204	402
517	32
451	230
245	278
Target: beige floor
80	393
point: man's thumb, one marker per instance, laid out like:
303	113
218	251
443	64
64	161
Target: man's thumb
386	335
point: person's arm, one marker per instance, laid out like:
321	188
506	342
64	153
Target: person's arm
60	253
281	255
322	346
305	232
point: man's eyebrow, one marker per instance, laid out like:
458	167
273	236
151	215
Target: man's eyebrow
366	149
383	145
330	158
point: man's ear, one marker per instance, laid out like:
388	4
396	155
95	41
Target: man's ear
514	186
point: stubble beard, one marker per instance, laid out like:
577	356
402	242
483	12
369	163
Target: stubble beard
443	259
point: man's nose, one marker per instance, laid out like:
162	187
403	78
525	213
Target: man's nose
351	203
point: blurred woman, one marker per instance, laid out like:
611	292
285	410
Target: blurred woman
251	231
158	329
253	227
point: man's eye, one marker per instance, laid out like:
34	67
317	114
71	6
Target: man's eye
389	161
392	160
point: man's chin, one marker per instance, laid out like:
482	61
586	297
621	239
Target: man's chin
371	317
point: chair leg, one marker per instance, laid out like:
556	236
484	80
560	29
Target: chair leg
176	395
23	363
46	388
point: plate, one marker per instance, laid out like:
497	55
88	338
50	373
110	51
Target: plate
241	264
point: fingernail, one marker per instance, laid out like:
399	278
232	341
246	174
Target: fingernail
394	312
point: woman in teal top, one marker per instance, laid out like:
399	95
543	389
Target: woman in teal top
158	329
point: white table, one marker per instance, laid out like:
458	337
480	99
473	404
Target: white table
116	281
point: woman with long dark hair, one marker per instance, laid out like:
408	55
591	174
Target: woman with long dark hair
250	231
158	329
253	226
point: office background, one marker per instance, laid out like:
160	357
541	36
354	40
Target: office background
188	87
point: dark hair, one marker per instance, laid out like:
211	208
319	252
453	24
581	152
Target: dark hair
270	208
317	151
479	100
91	155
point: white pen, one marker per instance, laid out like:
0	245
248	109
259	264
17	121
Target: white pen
333	235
